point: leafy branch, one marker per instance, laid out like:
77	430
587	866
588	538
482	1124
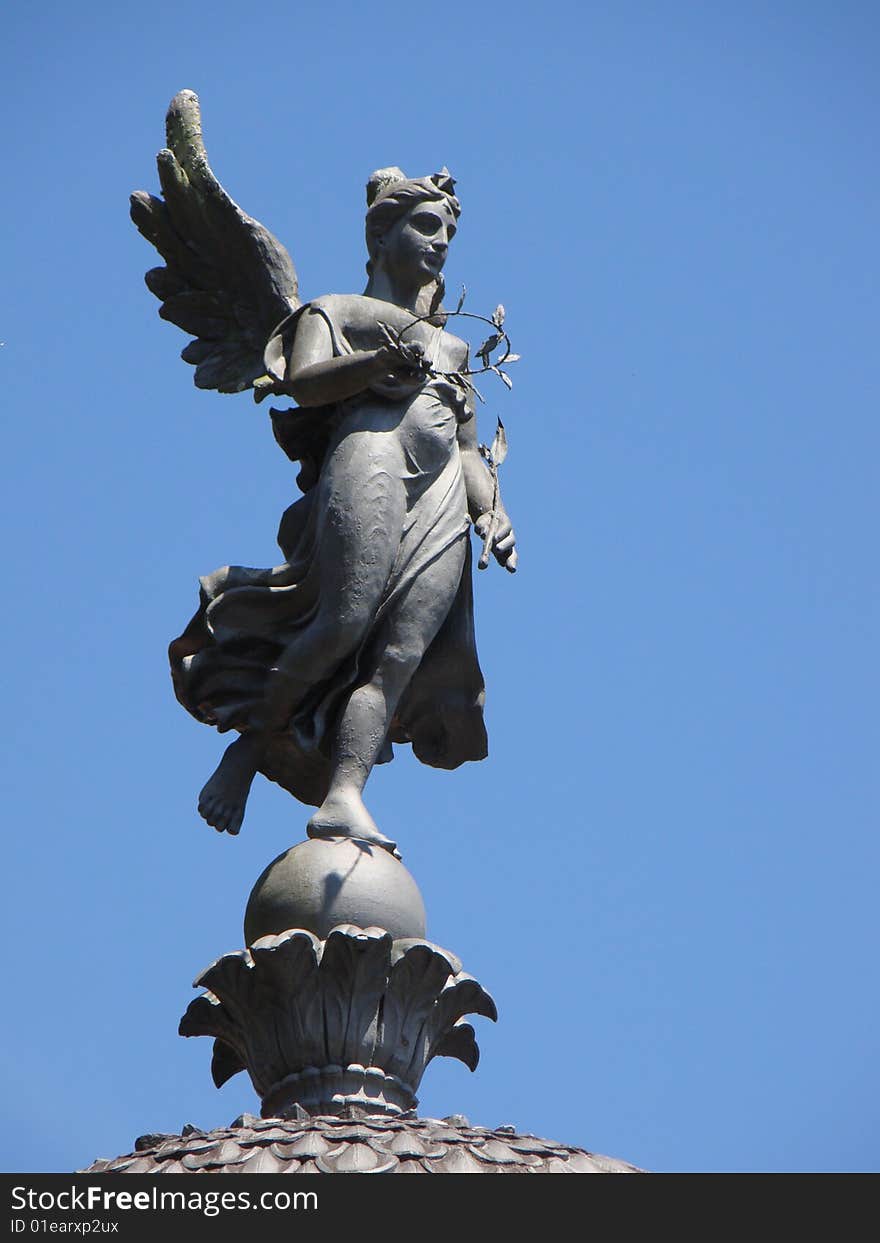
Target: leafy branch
498	340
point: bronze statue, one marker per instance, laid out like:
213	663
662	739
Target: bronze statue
363	636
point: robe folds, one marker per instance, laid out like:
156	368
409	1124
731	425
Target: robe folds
247	619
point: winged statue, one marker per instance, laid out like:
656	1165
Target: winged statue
363	636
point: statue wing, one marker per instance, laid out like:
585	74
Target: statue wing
227	281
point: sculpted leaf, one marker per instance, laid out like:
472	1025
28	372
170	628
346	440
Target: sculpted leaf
499	445
498	316
460	1042
386	332
490	344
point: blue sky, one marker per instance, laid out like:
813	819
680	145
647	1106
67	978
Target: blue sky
666	871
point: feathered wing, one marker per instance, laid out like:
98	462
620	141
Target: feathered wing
227	281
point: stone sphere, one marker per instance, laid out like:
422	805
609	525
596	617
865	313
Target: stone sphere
319	884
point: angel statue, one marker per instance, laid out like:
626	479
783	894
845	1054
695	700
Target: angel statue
364	635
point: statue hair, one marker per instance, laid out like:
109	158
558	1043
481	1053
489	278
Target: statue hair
390	195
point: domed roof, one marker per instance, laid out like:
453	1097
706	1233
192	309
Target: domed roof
358	1144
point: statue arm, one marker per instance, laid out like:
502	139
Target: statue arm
315	377
480	492
477	480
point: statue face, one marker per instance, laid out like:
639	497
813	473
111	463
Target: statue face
414	249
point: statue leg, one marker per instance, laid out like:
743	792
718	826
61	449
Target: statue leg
367	716
223	797
355	561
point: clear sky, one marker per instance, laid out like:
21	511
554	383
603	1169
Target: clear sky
667	870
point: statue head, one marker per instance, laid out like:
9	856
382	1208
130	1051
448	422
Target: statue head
410	222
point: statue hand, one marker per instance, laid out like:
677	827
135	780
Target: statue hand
405	361
502	541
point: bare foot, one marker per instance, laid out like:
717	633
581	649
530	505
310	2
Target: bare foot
343	814
224	796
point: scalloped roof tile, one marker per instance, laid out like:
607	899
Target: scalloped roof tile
372	1144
